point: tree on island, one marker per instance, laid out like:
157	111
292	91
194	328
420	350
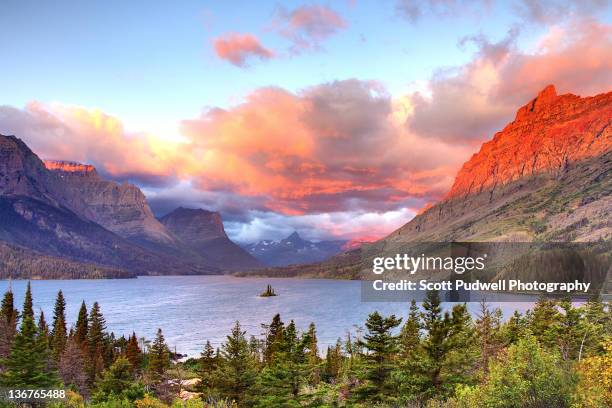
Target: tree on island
268	292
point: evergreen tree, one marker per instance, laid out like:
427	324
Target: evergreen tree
410	368
595	327
26	366
82	325
117	379
382	347
274	338
8	325
96	333
208	365
410	336
434	344
333	363
449	347
281	379
544	322
528	377
569	330
237	373
28	307
43	330
311	349
59	333
133	353
8	311
159	358
514	329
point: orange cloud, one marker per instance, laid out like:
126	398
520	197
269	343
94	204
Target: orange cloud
345	146
331	147
239	48
65	132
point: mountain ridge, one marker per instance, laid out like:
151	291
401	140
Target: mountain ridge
64	213
293	250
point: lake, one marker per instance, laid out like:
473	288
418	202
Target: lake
193	309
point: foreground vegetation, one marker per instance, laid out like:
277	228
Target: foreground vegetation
555	355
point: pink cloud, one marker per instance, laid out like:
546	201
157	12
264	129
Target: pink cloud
472	101
308	26
238	49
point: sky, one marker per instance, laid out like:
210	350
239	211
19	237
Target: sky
336	119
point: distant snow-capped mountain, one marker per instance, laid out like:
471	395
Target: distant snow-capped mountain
293	250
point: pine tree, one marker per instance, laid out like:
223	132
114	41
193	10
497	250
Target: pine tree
333	362
313	361
8	325
26	366
43	330
544	322
159	358
459	363
514	329
382	346
133	353
569	330
96	333
236	374
410	336
28	307
117	379
410	372
595	327
8	311
281	380
274	338
59	334
82	325
208	365
435	342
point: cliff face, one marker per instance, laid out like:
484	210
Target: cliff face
42	231
121	208
23	173
547	135
202	232
544	175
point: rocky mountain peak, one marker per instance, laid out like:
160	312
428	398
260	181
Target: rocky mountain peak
294	238
549	132
202	231
121	208
24	173
198	223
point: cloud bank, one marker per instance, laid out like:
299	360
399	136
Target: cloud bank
336	159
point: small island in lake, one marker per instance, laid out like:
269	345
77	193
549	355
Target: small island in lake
268	292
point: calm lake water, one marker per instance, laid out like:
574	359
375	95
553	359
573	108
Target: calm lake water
193	309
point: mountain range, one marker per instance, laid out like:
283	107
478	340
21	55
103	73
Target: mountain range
294	250
546	177
62	220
